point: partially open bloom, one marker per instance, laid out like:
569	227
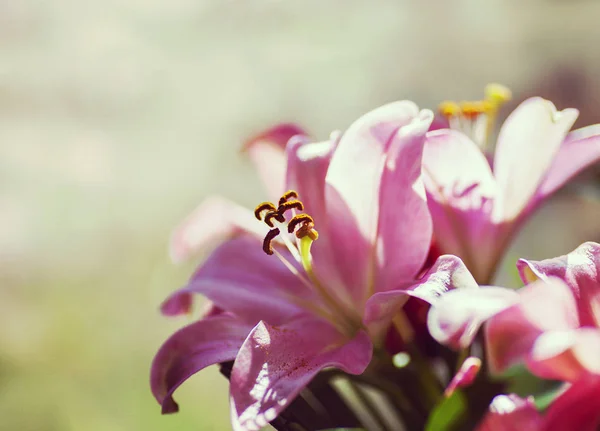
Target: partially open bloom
305	300
479	196
552	325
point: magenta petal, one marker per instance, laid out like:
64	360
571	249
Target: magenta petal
405	228
580	150
239	277
353	189
447	273
580	269
212	221
276	363
578	408
461	193
267	152
527	144
455	317
546	305
192	348
512	413
178	303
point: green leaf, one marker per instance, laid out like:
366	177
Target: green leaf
448	414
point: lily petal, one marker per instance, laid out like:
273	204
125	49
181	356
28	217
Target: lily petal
446	274
566	355
528	142
545	305
214	220
353	189
578	408
239	277
267	152
460	193
276	363
580	269
580	150
206	342
512	413
178	303
455	317
403	214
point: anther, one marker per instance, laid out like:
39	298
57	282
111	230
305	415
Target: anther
267	246
449	109
288	195
261	208
497	94
276	215
296	220
285	206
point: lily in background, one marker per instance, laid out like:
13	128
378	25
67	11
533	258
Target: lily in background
552	325
323	274
479	194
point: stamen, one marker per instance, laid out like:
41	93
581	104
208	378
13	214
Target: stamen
287	196
276	215
261	208
285	206
267	247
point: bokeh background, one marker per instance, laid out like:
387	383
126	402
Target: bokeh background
118	117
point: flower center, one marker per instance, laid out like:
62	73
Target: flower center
302	226
476	119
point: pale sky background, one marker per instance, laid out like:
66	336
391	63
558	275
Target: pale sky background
118	117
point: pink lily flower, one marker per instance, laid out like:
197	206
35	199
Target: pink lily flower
479	200
297	304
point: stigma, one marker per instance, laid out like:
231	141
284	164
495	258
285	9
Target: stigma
476	119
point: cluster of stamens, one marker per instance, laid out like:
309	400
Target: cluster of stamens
476	118
302	224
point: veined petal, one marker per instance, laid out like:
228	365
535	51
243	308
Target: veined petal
528	142
580	269
267	152
512	413
209	341
405	228
276	363
446	274
578	408
239	277
580	150
566	355
545	305
461	191
455	317
307	168
353	189
212	221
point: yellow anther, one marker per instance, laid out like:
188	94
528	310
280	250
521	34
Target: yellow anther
497	94
449	109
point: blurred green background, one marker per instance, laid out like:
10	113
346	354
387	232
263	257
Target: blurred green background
118	117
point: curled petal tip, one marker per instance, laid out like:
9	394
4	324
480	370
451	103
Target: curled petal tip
279	135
